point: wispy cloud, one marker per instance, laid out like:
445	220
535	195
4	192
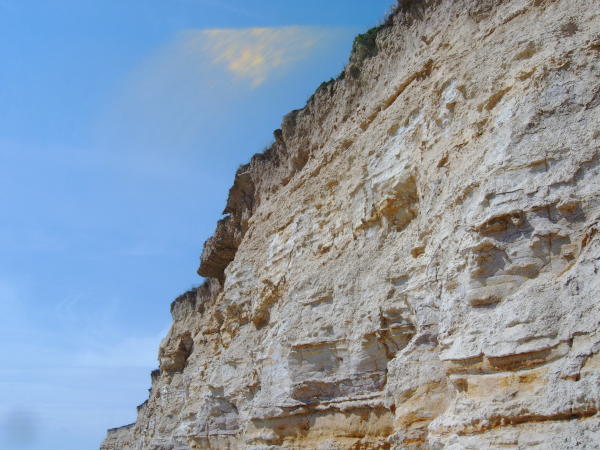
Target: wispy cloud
254	54
182	95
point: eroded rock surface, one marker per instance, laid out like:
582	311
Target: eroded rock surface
415	261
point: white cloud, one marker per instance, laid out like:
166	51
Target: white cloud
254	54
179	100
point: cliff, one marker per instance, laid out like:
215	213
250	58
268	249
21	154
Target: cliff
414	262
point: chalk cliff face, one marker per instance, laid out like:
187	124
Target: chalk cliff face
415	261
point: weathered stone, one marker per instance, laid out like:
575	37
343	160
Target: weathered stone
415	261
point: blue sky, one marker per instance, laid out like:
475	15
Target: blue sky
121	125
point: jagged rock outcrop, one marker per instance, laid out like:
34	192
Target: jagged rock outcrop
415	261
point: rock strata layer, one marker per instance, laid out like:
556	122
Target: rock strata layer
415	261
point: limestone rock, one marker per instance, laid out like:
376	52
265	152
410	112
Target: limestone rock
415	261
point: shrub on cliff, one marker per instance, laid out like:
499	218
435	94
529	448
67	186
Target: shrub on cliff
365	44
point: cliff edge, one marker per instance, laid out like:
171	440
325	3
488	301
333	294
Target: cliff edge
414	263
